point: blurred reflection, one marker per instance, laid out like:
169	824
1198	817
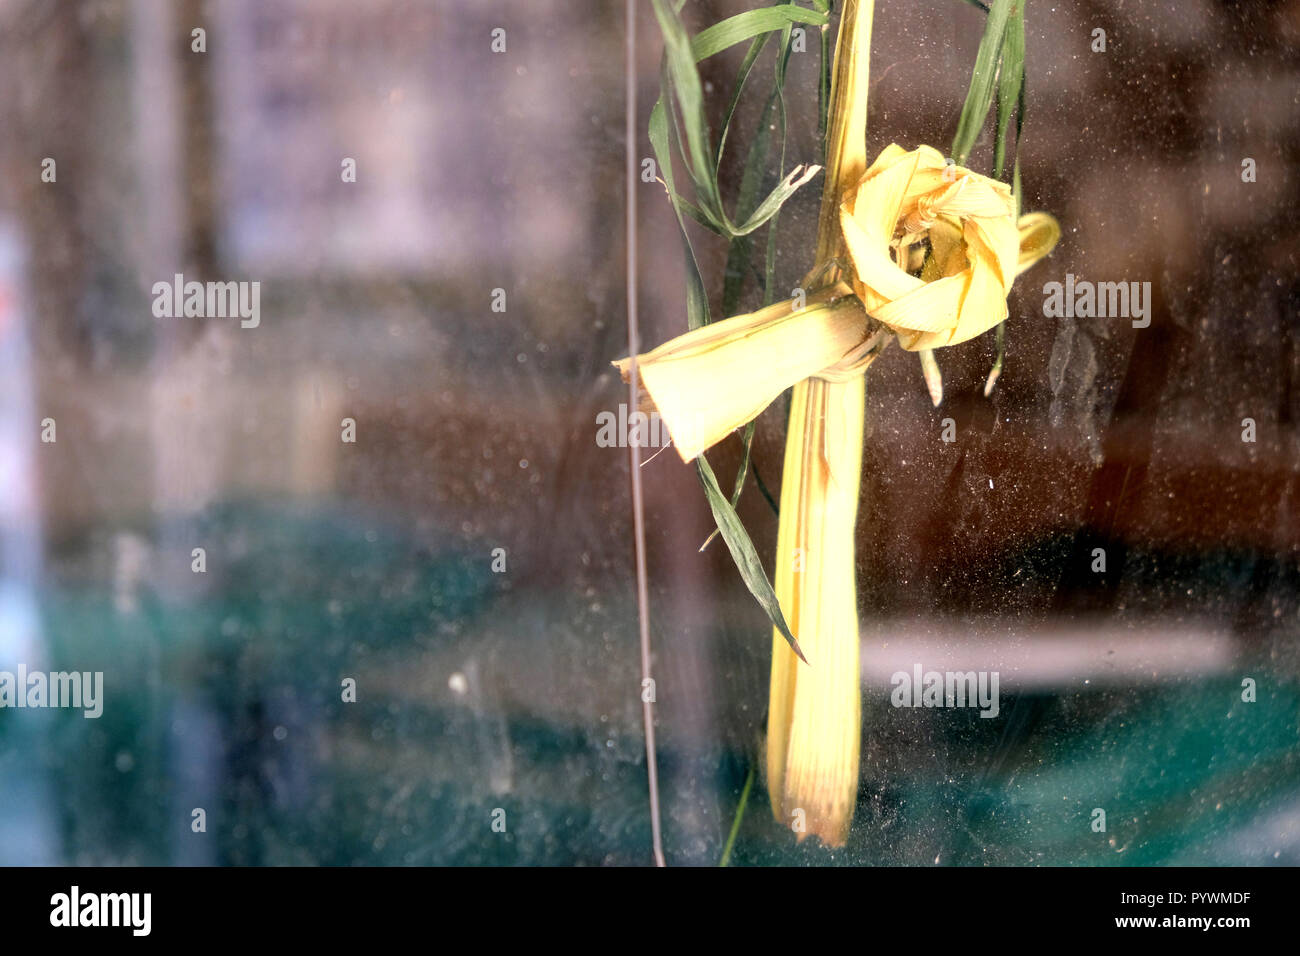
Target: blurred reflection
26	803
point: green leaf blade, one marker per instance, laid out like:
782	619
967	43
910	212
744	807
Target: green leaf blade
744	554
744	26
1011	87
979	97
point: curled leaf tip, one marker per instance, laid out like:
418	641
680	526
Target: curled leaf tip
933	378
798	651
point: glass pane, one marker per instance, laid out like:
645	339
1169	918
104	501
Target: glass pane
306	323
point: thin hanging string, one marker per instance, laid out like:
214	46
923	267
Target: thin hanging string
634	402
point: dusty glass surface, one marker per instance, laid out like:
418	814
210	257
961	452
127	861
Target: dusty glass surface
394	637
